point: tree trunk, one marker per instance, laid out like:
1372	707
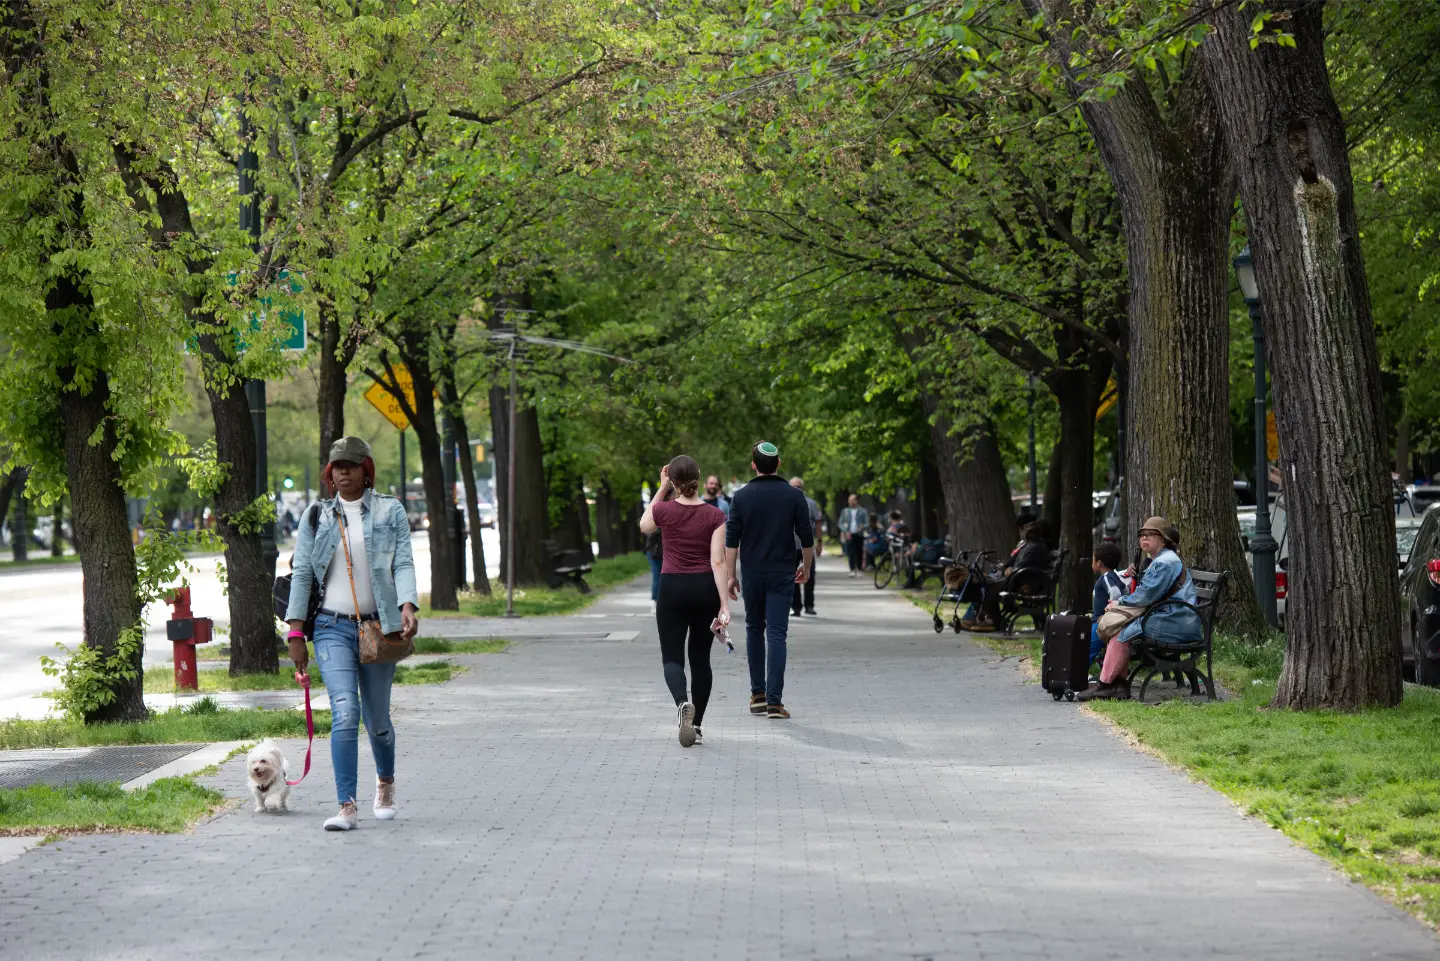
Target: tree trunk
972	480
571	533
1173	179
1051	499
635	541
13	480
532	520
253	642
330	395
932	501
20	523
57	525
1077	395
438	496
102	537
472	501
606	514
1284	128
1402	449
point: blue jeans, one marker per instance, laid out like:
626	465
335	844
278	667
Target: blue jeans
1097	646
767	622
354	689
655	564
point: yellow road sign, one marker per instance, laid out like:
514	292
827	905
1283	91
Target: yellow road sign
1109	397
385	402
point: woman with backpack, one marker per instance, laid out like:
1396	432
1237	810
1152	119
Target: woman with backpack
358	557
692	587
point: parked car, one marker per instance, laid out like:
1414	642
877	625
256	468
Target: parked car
1420	602
488	514
1278	530
1412	501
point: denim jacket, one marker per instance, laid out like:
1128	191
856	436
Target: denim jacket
387	547
1171	622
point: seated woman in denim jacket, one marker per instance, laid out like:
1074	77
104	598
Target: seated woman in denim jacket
1165	578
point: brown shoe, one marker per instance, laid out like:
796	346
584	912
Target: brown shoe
757	703
777	712
978	627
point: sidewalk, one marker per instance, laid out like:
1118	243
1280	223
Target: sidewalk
924	802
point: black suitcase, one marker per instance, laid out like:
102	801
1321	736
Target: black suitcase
1065	655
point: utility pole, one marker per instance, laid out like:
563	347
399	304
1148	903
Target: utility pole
1262	546
248	167
454	517
510	487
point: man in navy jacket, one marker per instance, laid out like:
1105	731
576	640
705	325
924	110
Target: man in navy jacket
766	515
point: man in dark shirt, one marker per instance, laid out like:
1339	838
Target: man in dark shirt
766	515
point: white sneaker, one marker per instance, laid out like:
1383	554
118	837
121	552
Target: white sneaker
699	735
384	800
687	724
347	820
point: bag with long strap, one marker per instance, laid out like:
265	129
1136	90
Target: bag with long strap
376	647
1114	620
280	593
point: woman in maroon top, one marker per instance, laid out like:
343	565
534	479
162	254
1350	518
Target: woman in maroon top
692	586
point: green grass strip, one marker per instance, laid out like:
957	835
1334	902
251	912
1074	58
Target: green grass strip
435	672
547	601
167	806
202	721
440	645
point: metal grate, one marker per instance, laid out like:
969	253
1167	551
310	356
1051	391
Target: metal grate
100	764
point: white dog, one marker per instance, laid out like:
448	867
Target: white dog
266	768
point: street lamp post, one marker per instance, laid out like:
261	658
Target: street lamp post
1262	545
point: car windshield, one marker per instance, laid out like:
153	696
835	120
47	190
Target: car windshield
1405	539
1247	525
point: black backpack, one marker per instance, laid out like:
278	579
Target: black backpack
281	592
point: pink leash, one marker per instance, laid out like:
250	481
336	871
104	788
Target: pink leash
303	680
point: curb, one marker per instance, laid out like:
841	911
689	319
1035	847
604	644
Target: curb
207	756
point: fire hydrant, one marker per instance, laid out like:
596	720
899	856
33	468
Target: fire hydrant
185	630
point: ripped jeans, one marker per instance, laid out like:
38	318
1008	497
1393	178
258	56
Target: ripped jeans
355	689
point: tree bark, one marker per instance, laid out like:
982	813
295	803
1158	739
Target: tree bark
606	515
1175	185
972	480
1078	394
102	538
1051	501
532	520
13	480
335	356
20	523
472	500
1402	449
57	526
414	351
1285	130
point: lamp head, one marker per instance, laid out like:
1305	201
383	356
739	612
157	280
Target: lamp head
1245	274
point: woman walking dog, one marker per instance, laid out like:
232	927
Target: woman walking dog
692	586
358	556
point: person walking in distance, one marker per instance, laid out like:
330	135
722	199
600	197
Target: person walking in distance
817	520
692	587
713	495
357	554
853	521
766	515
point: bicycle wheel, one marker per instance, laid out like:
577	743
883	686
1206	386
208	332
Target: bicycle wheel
884	571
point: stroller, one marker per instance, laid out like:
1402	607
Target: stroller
964	582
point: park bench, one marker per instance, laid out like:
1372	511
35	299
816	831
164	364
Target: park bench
1181	659
567	567
929	561
1030	591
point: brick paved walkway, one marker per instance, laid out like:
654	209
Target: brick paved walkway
923	803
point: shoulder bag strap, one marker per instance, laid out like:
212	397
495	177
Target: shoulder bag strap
349	567
1179	582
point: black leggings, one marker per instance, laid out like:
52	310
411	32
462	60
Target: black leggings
688	603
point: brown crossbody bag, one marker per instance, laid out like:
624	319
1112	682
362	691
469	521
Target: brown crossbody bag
1114	620
376	647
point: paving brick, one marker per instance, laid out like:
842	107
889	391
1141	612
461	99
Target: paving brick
923	803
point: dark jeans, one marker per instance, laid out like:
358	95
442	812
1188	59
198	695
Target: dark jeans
688	604
808	593
655	564
767	622
855	551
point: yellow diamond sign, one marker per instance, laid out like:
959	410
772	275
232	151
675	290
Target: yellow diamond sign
386	403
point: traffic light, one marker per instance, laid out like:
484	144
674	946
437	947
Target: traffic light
289	483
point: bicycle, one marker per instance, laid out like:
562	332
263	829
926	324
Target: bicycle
893	561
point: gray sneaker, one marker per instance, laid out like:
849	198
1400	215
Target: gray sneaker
347	820
687	724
